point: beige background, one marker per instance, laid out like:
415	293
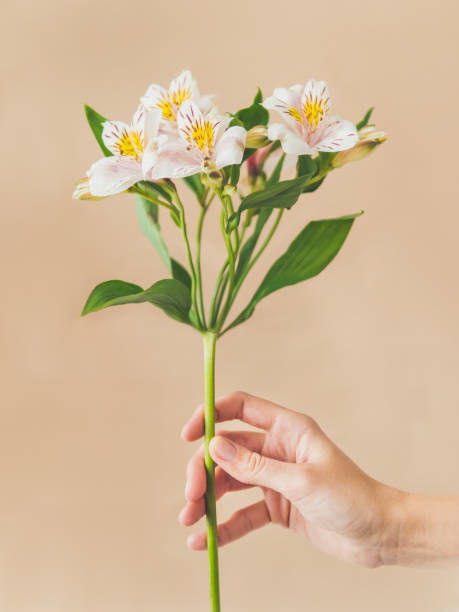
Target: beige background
92	466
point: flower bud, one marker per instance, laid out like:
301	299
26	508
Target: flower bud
213	177
369	138
229	190
257	137
82	191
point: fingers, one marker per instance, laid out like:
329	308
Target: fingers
239	405
240	524
196	509
196	477
247	466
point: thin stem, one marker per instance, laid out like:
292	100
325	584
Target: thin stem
215	304
220	295
231	269
198	263
210	339
242	277
190	258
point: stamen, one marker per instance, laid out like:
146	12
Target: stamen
315	110
130	145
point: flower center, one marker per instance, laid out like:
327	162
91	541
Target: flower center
130	144
170	104
315	110
200	133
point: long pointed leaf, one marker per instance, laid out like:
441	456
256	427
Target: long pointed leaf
311	251
172	296
148	216
96	123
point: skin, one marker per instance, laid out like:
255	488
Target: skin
310	486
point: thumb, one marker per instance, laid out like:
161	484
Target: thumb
252	468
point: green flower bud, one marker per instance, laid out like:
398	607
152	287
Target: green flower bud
257	137
369	138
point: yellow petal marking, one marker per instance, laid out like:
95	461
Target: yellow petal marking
170	104
202	134
130	144
293	112
168	111
315	110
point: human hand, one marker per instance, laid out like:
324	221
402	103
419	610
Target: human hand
309	484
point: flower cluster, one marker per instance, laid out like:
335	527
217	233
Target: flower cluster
177	133
174	133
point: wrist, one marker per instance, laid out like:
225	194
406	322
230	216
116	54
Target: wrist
418	530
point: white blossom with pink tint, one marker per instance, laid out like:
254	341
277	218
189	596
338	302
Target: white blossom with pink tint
135	149
169	101
308	128
203	143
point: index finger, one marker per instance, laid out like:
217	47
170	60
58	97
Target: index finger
238	405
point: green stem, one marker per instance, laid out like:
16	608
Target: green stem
198	263
231	270
242	277
214	306
190	259
210	340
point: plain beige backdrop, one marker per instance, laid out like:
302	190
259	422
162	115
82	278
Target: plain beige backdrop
92	465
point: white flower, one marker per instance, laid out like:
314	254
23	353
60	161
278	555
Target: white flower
135	151
308	128
203	143
169	101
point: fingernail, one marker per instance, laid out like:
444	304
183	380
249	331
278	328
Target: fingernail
225	449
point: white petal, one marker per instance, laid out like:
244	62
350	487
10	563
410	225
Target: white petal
230	147
138	120
188	117
287	102
181	88
112	133
153	95
175	161
112	175
316	90
205	103
291	142
152	122
149	158
336	135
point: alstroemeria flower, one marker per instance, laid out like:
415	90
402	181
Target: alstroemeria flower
169	101
204	143
308	128
135	151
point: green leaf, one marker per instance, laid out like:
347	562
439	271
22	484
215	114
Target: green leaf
311	251
169	294
96	123
275	176
148	216
361	124
153	190
251	242
281	195
253	115
313	186
306	165
325	160
194	183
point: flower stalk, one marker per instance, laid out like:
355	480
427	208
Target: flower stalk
210	340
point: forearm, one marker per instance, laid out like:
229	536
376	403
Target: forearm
421	531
